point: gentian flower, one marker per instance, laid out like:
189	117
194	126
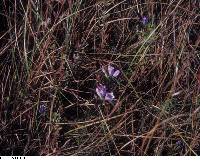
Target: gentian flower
144	20
112	72
103	94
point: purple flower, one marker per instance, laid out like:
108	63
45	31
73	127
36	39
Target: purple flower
42	109
144	20
103	94
112	72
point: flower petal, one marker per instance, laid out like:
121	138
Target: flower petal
98	92
116	73
109	96
110	70
101	91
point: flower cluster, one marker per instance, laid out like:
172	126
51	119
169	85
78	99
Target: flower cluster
101	90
